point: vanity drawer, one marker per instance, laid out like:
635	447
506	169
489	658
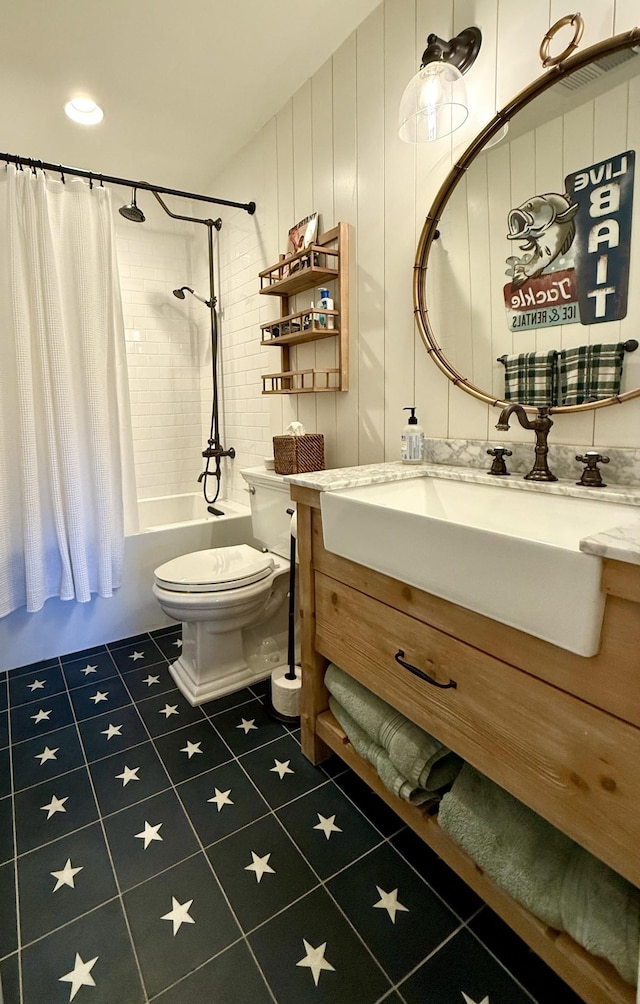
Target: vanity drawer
575	764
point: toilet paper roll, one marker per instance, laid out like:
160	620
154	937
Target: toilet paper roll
293	526
285	693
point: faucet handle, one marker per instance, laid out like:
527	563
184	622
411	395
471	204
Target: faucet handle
498	467
591	476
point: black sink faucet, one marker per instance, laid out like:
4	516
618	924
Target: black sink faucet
540	425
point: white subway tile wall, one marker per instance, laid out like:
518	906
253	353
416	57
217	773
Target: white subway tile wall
169	349
161	339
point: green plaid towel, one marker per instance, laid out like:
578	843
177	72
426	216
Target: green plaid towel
590	372
531	378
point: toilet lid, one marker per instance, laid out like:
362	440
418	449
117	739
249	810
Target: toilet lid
216	569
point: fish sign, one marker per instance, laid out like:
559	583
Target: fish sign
544	228
602	243
542	291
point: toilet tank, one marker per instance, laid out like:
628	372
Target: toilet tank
269	497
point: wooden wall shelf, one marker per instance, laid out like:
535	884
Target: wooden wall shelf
305	326
322	263
313	381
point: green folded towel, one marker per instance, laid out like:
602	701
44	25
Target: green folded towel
368	750
417	756
544	870
531	378
601	911
518	849
590	372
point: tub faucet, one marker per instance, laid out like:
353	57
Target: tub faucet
540	425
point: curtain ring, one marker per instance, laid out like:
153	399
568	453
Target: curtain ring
62	174
101	182
90	181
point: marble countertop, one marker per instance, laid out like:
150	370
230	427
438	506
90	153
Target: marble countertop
619	542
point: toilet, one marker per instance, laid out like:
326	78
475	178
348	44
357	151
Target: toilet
232	601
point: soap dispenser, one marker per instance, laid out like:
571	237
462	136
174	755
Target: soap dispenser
412	440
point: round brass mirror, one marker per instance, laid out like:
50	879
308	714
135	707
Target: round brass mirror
528	247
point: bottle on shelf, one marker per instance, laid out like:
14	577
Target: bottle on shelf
325	320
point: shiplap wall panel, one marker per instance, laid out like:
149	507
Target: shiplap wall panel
323	202
482	106
610	124
626	15
597	17
521	28
286	219
578	152
369	275
345	206
611	425
550	175
304	356
407	179
500	200
632	359
433	161
399	208
481	77
268	224
480	275
609	111
454	292
524	184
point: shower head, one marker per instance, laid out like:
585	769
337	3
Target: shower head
132	212
180	294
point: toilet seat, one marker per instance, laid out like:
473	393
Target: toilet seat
214	570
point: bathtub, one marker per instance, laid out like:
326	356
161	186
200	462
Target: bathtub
170	510
169	527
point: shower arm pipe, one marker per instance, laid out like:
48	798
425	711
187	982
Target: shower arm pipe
190	219
215	448
10	158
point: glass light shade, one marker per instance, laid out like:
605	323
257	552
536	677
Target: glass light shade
434	103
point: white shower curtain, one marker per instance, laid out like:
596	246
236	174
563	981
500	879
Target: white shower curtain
66	468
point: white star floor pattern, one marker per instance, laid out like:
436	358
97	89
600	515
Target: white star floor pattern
151	851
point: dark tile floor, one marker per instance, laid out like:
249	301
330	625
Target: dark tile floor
192	855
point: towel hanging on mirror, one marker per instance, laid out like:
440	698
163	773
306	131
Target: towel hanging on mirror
590	372
531	378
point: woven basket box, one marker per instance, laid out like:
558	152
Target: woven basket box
298	454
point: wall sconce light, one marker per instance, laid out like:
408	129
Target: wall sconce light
434	103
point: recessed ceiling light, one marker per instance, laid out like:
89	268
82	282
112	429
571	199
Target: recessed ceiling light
84	111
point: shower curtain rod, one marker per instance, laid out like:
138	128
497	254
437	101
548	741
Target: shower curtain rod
249	207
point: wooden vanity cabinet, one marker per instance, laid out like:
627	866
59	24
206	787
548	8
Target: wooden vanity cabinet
560	732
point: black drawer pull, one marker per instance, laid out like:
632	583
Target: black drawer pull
423	676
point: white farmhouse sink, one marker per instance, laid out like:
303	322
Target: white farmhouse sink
510	554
